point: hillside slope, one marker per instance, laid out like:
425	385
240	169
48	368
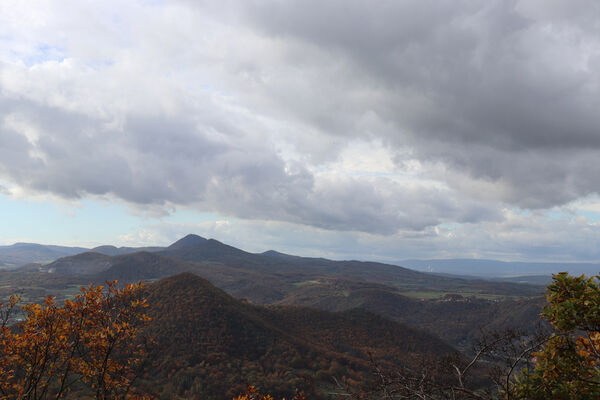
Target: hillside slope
109	250
209	345
456	319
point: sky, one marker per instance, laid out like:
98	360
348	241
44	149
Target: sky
380	130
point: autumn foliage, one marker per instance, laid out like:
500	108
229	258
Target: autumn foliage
94	346
253	394
568	366
90	346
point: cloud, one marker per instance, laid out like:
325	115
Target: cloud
497	91
254	109
4	191
517	236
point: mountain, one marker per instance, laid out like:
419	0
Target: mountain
317	283
499	269
282	256
131	267
24	253
187	241
291	271
209	345
117	251
28	253
270	277
197	249
94	267
81	264
142	266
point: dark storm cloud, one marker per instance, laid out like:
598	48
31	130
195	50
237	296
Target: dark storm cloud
500	90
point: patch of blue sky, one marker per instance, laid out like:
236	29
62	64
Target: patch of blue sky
591	216
43	53
561	214
89	223
449	226
21	220
558	214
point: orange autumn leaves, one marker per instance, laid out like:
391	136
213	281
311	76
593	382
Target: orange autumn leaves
588	347
91	344
253	394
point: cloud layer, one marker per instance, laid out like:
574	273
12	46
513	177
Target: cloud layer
380	118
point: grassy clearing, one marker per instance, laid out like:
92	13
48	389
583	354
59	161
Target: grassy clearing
305	283
434	295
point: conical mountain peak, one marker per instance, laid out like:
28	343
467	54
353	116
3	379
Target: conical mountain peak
187	241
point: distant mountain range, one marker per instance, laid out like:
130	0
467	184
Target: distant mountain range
528	272
483	268
263	278
26	253
117	251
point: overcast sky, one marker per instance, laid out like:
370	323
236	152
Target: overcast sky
364	129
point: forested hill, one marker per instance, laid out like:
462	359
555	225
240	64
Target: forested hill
296	269
455	318
209	345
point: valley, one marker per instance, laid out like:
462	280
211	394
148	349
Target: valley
214	344
226	316
456	309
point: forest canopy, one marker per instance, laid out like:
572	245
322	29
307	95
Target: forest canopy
94	345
